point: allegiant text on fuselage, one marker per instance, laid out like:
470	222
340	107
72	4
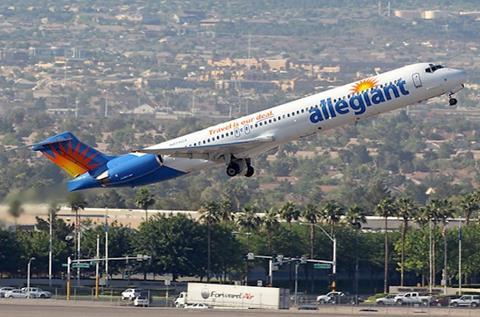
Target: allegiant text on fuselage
359	102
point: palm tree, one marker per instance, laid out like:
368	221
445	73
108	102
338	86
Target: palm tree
289	212
385	209
209	215
76	202
311	214
406	210
468	205
248	219
444	212
269	223
144	200
354	217
225	211
332	213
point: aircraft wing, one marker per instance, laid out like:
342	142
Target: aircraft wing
211	152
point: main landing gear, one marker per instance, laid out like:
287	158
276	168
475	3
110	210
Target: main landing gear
240	166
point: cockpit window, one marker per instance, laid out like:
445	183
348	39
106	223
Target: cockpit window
433	68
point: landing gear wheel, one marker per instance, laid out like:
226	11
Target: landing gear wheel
233	169
250	171
452	101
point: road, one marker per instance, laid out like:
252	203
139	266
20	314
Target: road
61	308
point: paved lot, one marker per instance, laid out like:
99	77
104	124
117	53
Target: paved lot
60	308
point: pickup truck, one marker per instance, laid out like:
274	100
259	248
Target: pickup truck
412	298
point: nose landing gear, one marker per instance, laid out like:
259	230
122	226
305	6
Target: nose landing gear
452	101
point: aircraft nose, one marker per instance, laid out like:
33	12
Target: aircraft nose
459	76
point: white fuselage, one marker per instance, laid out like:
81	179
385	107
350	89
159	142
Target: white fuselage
332	108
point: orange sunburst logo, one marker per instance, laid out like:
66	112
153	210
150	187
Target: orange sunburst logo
73	160
364	85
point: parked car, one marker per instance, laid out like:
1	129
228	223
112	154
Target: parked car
386	300
466	300
330	298
15	293
3	290
441	300
196	306
131	293
413	298
142	301
36	292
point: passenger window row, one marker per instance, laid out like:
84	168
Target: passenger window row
284	116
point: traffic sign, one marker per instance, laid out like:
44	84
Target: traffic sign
80	265
322	266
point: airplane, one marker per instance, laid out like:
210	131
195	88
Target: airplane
234	143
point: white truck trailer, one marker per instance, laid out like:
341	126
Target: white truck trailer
234	296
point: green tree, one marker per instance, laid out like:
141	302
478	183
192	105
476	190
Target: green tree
144	200
176	245
9	253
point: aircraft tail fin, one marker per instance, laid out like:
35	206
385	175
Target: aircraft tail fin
70	154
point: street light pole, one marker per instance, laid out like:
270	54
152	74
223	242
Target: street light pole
334	267
50	254
79	239
97	264
28	275
106	248
69	262
334	251
430	278
460	258
445	255
270	272
296	282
